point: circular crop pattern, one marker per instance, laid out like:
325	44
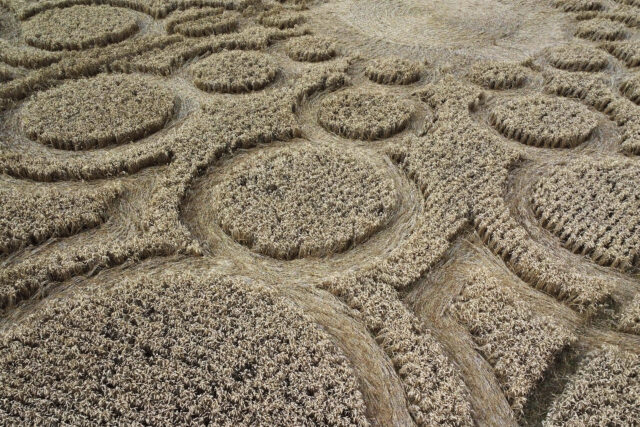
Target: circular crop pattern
234	71
207	25
178	351
94	112
281	19
310	49
79	27
303	201
577	58
601	29
544	121
631	88
391	70
498	75
594	210
363	115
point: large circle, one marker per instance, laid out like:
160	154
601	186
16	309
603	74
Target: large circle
234	71
176	350
79	27
363	115
94	112
544	121
303	200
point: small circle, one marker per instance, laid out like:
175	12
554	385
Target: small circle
593	209
631	88
597	29
281	19
362	115
234	71
310	49
391	71
98	111
304	200
575	57
79	27
544	121
498	75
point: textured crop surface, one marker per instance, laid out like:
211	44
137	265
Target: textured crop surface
303	201
544	121
393	71
319	212
605	390
363	115
234	71
79	27
99	111
181	350
594	210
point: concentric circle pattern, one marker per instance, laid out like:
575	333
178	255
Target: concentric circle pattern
305	200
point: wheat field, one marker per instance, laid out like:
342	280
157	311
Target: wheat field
320	212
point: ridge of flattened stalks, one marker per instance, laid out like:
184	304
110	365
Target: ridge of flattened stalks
205	24
574	57
213	344
594	91
599	29
393	71
27	56
362	115
110	102
630	317
31	214
79	27
579	5
544	121
498	75
281	18
593	210
310	48
234	71
504	327
604	390
304	200
626	51
182	16
626	14
631	88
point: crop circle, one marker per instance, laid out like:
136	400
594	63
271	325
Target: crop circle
310	48
79	27
177	350
98	111
303	200
362	115
234	71
544	121
391	70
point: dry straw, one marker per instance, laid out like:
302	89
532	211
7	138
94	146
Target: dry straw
281	18
577	57
498	75
604	391
234	71
544	121
99	111
363	115
601	29
181	350
310	48
393	71
579	5
79	27
626	51
631	88
202	22
304	200
630	318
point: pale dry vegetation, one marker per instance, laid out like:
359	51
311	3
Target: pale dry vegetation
498	75
630	318
597	29
577	57
631	88
390	70
202	22
363	115
311	48
281	18
627	51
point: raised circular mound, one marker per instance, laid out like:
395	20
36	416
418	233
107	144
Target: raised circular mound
281	19
310	48
303	200
594	209
179	350
79	27
631	88
575	57
234	71
498	75
207	25
393	71
362	115
544	121
597	29
98	111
